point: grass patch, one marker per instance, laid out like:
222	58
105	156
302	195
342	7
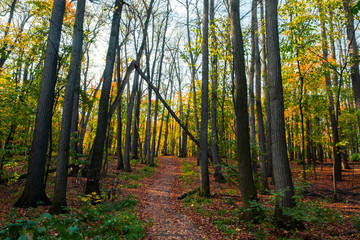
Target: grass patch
188	173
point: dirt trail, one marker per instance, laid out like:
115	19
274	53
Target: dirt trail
167	223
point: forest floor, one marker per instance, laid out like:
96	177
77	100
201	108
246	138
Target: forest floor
219	217
216	217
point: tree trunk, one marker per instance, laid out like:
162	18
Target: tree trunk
332	112
214	99
127	167
247	186
204	172
354	53
193	75
96	156
259	112
59	200
251	93
120	161
281	167
158	86
34	191
135	132
4	52
269	168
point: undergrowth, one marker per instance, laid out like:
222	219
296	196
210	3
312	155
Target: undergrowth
107	220
227	212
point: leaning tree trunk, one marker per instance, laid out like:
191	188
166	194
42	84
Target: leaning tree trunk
59	201
4	52
34	191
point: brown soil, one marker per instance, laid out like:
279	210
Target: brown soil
166	221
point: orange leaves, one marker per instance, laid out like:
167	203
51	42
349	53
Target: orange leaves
70	12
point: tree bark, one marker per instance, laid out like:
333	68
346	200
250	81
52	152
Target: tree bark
4	52
59	200
259	112
354	54
332	113
247	186
34	191
127	167
193	75
96	156
120	161
204	172
269	168
281	167
214	99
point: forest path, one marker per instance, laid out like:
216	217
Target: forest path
167	223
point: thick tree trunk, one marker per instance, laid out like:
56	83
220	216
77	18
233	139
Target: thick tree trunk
59	200
281	167
34	191
247	186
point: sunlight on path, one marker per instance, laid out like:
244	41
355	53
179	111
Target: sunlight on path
167	222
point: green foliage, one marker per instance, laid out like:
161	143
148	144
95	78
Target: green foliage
104	221
356	221
134	177
356	8
189	174
228	222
